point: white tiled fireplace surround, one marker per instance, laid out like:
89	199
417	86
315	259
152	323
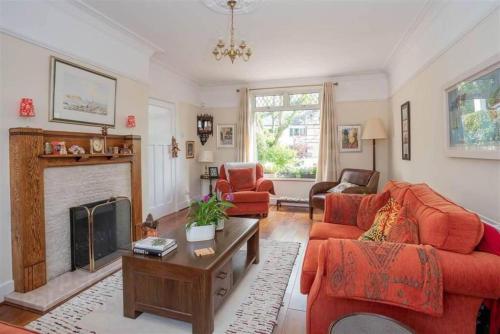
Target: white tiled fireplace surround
66	187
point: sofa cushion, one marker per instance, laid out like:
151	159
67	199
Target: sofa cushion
342	208
242	179
341	187
369	206
249	196
490	242
385	218
397	189
476	274
405	230
326	230
309	265
442	223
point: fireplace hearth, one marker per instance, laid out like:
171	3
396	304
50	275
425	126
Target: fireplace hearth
100	232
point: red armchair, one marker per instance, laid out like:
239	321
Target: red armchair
253	201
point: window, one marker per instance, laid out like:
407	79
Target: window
287	133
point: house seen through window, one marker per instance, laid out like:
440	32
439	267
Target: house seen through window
287	131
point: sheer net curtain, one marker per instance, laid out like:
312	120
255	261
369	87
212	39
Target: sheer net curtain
245	129
328	160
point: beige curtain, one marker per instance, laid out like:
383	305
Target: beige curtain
244	128
328	161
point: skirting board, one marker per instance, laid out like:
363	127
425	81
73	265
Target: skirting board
5	289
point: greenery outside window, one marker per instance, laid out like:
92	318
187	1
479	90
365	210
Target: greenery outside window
287	128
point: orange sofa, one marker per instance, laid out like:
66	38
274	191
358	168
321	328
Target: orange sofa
6	328
251	201
468	277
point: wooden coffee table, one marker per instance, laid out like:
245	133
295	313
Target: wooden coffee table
185	287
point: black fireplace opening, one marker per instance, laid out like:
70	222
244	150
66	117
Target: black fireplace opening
100	232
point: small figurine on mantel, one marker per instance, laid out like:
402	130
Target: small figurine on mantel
174	148
149	226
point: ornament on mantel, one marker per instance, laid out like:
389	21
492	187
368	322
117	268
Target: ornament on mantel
26	108
131	121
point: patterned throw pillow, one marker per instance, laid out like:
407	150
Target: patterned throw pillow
405	230
384	218
242	179
341	187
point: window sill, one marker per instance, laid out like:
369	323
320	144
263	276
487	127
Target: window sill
289	179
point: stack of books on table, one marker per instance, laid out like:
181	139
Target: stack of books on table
154	246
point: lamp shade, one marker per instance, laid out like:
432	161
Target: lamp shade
374	129
26	108
206	156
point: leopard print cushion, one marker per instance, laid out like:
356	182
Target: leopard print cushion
385	218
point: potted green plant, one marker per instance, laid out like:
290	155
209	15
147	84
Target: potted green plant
203	217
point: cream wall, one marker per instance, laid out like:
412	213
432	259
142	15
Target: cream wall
473	183
25	73
348	112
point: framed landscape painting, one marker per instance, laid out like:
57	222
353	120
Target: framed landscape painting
80	95
226	135
349	138
405	131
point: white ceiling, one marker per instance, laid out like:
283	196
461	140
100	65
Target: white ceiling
290	38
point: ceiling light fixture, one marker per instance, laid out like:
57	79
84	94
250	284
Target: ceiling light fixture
232	52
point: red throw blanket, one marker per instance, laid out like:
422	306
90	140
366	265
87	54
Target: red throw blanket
398	274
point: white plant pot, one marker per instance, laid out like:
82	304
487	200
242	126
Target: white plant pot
220	225
200	233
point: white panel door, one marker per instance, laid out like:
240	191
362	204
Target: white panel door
161	167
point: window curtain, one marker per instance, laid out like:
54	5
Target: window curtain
244	128
328	160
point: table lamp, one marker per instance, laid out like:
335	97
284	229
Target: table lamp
206	157
374	129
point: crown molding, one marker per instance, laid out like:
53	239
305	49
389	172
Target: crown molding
426	29
160	61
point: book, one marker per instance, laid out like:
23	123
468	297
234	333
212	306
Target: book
154	244
154	253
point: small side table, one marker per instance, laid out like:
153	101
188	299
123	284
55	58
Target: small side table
209	178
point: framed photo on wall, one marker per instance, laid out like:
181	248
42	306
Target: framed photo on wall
349	138
226	135
213	172
80	95
190	149
405	131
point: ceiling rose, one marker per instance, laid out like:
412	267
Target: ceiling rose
242	6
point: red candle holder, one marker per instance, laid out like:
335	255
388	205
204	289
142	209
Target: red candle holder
131	121
26	108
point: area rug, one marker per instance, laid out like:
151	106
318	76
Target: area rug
253	306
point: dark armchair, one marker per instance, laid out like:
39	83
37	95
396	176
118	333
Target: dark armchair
367	181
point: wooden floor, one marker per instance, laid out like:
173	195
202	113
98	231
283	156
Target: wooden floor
287	224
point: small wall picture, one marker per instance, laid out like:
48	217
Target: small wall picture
226	135
189	149
213	172
405	131
349	138
80	95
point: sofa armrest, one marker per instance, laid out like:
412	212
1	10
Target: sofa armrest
265	185
321	187
223	186
342	208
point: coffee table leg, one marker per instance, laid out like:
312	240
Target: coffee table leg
253	247
128	290
203	307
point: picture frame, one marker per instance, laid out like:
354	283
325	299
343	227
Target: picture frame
349	138
472	112
190	149
80	95
226	135
405	131
213	172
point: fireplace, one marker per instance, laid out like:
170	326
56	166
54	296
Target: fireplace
100	232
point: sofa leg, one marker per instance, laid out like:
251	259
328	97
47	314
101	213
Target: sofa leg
311	209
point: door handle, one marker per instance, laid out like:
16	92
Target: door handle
222	292
221	275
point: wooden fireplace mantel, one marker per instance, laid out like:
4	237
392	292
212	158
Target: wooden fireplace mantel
27	163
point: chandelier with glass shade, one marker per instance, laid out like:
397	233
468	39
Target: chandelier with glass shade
242	51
